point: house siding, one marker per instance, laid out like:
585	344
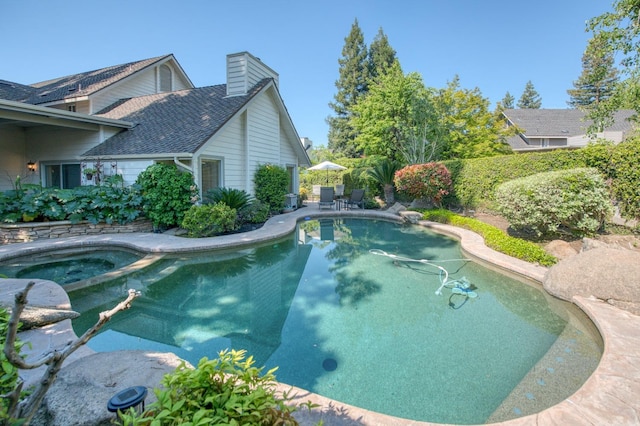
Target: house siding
244	71
263	128
13	161
228	146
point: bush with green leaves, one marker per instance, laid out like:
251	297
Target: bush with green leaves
167	193
430	181
228	390
572	201
626	177
256	212
209	219
110	202
493	237
270	185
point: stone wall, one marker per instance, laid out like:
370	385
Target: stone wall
26	232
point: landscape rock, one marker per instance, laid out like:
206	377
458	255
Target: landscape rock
560	249
80	394
606	273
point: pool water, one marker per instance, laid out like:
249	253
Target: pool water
364	329
68	266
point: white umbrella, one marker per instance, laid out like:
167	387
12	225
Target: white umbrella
327	165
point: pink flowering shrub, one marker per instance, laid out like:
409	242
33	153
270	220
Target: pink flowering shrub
430	181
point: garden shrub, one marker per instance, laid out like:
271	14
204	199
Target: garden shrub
493	237
256	212
271	185
167	193
209	219
430	181
626	177
574	201
109	202
228	390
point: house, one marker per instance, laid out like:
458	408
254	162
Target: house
121	119
546	129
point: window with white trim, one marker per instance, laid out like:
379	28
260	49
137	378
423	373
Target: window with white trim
64	175
210	175
165	78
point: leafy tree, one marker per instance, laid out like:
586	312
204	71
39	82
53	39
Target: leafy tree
598	79
465	125
351	85
619	33
508	101
385	115
381	55
530	98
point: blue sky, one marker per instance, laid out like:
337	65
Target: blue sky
494	45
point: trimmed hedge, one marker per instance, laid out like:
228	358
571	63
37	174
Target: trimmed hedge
493	237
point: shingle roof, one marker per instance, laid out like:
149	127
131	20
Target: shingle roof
15	91
561	122
75	85
174	122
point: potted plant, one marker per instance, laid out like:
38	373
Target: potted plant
89	172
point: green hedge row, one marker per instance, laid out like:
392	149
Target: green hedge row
493	237
475	180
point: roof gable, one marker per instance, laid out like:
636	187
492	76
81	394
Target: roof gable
90	82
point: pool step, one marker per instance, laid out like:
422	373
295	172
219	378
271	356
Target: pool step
554	378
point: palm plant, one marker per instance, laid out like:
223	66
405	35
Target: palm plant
383	173
235	198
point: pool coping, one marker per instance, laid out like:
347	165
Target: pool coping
609	396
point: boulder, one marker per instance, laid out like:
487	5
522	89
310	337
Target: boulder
82	389
606	273
560	249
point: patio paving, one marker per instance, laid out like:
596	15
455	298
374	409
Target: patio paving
609	396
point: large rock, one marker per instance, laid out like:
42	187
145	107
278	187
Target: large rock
80	394
606	273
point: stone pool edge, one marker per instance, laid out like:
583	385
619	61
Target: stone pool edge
608	396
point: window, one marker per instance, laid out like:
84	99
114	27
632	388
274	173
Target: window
165	78
71	108
211	175
64	176
292	179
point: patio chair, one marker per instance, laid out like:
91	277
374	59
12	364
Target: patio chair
356	199
326	197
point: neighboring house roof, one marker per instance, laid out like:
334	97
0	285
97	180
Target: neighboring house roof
561	122
76	85
174	122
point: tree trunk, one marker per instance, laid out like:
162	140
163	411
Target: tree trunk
389	196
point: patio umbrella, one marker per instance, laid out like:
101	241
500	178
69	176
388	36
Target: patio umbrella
327	165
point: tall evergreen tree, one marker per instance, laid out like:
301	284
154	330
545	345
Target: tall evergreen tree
507	101
598	79
381	55
351	85
530	98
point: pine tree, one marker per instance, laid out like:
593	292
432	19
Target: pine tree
351	85
530	98
599	76
507	101
381	55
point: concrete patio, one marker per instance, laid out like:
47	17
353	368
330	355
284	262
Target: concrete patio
610	395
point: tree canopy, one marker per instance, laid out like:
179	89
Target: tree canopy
530	98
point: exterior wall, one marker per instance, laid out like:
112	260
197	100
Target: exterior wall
13	161
27	232
229	146
263	134
56	143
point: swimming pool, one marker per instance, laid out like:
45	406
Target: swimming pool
360	328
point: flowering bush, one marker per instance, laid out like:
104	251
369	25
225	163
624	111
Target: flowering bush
430	181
